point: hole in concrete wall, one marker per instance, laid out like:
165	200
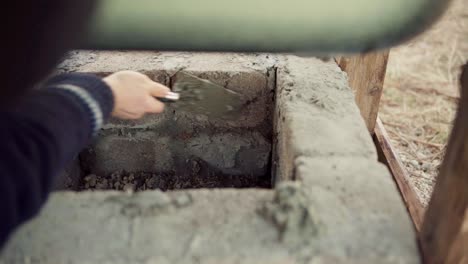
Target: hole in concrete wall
181	150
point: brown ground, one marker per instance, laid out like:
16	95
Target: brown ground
421	93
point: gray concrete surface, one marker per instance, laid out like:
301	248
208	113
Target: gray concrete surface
323	143
149	227
139	151
165	143
245	153
316	115
343	206
250	75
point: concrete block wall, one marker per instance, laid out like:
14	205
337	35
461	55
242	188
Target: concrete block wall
316	115
333	202
225	152
167	143
322	143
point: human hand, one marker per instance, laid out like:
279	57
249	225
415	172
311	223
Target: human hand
134	94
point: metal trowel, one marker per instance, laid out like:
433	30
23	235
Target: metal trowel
200	96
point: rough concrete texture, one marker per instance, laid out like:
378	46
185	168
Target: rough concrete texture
150	227
316	115
358	201
167	142
141	151
250	75
204	226
245	153
342	208
322	141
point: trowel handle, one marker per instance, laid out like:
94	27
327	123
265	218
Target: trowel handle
165	100
171	97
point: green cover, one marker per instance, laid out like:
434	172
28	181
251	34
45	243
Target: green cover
315	26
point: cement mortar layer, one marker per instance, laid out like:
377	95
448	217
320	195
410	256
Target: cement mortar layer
343	207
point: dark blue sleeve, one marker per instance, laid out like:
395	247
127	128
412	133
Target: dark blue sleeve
41	136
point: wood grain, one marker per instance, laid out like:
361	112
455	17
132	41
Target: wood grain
366	75
408	193
443	237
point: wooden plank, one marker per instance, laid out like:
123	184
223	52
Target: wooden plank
442	235
459	250
413	204
366	74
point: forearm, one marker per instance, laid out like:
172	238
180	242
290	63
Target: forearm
41	136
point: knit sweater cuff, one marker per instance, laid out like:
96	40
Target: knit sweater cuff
94	93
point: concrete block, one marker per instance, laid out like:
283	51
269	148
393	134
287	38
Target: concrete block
232	154
246	154
317	135
247	74
149	121
103	63
356	197
211	226
315	115
94	61
323	143
141	151
111	227
146	61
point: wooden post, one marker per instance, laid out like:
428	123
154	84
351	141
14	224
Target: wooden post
366	74
443	234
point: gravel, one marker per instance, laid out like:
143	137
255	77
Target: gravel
121	181
141	181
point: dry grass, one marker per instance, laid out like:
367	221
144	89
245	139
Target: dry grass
421	93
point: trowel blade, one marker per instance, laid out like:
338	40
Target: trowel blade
201	96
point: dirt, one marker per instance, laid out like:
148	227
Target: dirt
421	95
141	181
